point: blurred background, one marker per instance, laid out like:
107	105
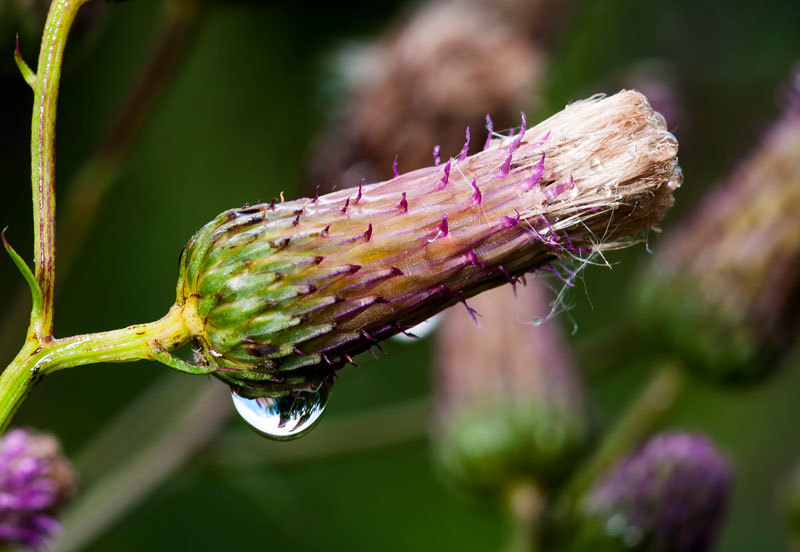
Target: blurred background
234	107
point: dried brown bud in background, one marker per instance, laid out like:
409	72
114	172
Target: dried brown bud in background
445	68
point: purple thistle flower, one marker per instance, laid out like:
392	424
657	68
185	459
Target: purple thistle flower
268	289
670	495
35	481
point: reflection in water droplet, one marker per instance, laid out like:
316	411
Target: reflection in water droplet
282	418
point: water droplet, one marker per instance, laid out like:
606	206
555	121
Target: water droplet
284	417
537	321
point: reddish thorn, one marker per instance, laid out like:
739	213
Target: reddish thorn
325	231
298	352
396	271
358	197
368	232
522	129
553	192
463	154
443	228
446	177
316	194
511	222
325	359
354	268
318	259
536	175
394	167
403	205
296	220
436	159
511	280
477	197
333	188
490	130
472	312
371	352
409	334
346	205
472	259
541	142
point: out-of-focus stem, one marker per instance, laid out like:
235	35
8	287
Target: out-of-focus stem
43	171
338	436
526	504
123	489
642	417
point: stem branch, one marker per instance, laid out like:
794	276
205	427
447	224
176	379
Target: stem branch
140	341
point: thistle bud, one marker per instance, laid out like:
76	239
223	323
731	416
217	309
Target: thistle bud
509	402
276	287
722	290
671	494
35	482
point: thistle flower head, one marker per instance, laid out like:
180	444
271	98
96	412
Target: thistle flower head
35	480
509	402
277	287
722	290
670	495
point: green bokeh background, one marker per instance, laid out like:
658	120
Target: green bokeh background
235	126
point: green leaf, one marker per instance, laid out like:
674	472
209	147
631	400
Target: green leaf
27	74
36	291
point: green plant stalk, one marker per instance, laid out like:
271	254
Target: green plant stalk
43	175
149	341
646	412
525	505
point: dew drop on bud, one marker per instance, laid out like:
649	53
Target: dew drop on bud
285	417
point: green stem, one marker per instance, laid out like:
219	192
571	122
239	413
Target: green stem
140	341
43	134
647	411
526	504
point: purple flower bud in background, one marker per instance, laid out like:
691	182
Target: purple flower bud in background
509	401
670	495
722	290
35	482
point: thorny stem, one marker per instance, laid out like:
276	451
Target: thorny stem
647	411
90	185
43	170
